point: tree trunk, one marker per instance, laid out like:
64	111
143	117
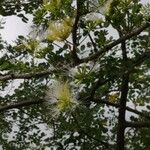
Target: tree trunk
123	99
122	111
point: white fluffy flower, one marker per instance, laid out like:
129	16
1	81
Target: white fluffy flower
62	96
106	7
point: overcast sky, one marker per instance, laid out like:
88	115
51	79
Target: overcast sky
13	27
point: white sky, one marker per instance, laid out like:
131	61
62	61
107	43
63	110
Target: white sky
145	1
13	27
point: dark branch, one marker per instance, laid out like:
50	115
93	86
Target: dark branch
32	102
99	83
26	75
20	104
93	43
137	124
146	116
123	100
99	101
74	34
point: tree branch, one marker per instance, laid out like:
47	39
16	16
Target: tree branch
20	104
123	99
74	34
26	75
99	101
118	41
137	124
99	83
93	43
32	102
146	116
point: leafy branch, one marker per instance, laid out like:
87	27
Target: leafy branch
99	101
116	42
82	131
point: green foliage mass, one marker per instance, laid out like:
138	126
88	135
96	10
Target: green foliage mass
76	44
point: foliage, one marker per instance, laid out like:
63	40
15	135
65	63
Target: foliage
71	85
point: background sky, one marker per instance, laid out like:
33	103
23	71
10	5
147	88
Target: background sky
13	27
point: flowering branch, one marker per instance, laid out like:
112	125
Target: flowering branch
33	102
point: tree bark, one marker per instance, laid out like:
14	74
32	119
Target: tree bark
122	111
123	99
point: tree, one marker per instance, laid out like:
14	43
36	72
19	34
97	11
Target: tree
71	84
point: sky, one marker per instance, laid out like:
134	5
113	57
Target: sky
145	1
13	27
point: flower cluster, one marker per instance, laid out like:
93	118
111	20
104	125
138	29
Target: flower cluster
62	96
59	30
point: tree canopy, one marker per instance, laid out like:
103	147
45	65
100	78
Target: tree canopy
80	80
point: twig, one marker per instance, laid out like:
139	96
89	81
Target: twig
93	43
